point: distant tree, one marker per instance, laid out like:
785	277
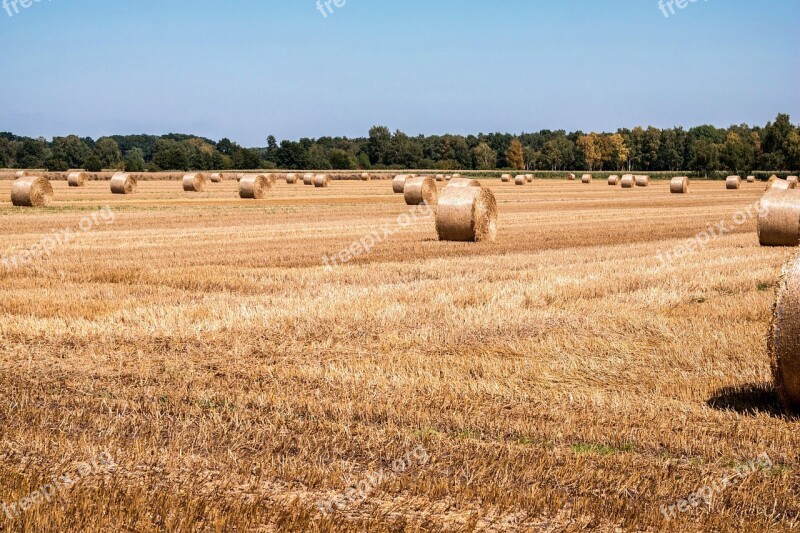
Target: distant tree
342	160
71	150
108	151
514	156
485	158
737	154
363	161
379	145
56	165
705	156
93	164
134	160
33	153
532	157
317	160
225	146
590	146
617	151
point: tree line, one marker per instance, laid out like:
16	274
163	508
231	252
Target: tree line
702	149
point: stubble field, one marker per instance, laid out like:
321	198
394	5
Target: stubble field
560	379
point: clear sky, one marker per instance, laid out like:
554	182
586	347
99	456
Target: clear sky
244	69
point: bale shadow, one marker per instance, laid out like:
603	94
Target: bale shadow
751	399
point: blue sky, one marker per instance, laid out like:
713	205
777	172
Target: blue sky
248	68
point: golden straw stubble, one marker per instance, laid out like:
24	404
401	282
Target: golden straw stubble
31	191
679	185
76	179
254	186
779	218
122	183
467	214
194	182
421	189
783	342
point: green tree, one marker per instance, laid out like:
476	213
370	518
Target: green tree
514	156
107	150
71	150
134	160
93	164
485	158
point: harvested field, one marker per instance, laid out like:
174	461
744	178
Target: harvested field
562	378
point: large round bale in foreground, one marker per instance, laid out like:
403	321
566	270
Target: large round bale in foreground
642	181
194	182
779	218
31	191
628	181
366	177
520	180
783	342
254	186
467	214
613	180
505	178
322	180
775	182
421	189
76	179
291	179
464	182
570	177
399	183
122	183
308	179
586	178
751	179
733	182
679	185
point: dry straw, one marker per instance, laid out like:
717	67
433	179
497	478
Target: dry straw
421	189
399	183
529	177
308	179
440	177
570	177
366	177
642	181
195	182
586	178
733	182
322	180
679	185
783	342
464	182
628	181
505	178
467	214
76	179
779	218
792	182
31	191
613	180
291	179
216	177
254	186
751	179
520	180
122	183
775	182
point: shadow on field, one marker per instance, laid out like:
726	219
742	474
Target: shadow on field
752	399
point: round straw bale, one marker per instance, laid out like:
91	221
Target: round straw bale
505	178
679	185
31	191
467	214
440	177
464	182
122	183
733	182
775	182
642	181
291	179
751	179
520	180
448	177
322	180
783	342
254	186
529	178
792	181
456	176
366	177
570	177
194	182
216	177
628	181
20	173
779	218
76	179
421	189
586	178
399	183
613	180
308	179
